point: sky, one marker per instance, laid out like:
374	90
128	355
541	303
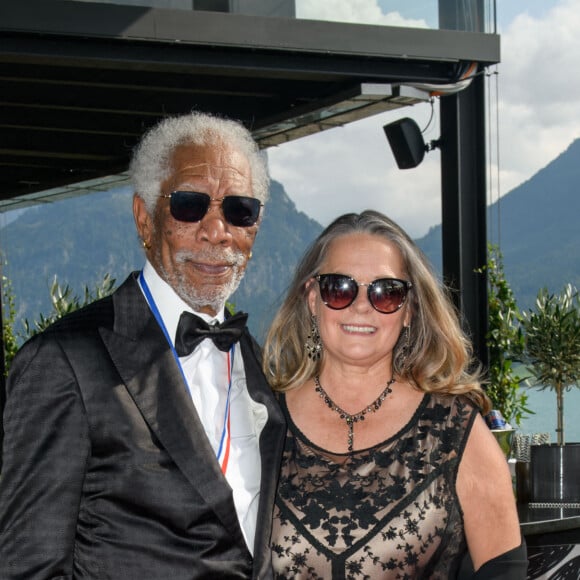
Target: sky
535	104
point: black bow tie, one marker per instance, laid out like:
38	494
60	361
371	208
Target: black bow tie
191	330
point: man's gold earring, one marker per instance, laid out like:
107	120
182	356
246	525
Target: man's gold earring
146	245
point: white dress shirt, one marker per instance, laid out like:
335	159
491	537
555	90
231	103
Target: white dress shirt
206	372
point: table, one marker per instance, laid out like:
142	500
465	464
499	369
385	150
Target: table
549	526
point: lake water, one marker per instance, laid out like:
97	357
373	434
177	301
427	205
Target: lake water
545	418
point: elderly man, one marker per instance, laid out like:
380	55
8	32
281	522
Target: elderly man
141	438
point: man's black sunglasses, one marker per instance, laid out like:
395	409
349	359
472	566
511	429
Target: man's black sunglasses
386	295
191	206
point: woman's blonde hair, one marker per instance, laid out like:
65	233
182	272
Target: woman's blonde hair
433	353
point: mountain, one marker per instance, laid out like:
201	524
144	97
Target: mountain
540	233
81	239
283	237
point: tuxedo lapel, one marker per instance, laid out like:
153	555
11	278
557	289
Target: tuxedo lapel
271	447
148	368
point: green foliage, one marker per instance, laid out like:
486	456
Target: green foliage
505	342
552	344
8	319
63	301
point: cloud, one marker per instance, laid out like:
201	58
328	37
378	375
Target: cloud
539	107
355	11
538	112
352	168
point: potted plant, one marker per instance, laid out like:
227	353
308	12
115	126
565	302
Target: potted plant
505	342
552	355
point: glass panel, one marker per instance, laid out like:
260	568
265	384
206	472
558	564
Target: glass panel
170	4
469	15
415	14
278	8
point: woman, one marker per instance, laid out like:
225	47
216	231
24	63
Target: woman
389	470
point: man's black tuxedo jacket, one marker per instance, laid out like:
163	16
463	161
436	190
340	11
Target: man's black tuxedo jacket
107	470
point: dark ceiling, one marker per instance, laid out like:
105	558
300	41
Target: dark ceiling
79	83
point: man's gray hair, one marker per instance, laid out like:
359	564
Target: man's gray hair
150	163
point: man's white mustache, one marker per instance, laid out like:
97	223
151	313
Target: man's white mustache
228	256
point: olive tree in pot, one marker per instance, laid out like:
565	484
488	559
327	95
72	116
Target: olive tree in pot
552	355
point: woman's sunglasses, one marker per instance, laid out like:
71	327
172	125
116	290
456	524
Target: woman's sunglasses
191	206
386	295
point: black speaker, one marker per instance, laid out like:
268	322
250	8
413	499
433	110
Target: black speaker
406	142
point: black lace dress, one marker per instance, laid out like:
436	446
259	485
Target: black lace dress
390	511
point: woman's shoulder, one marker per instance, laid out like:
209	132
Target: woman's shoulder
456	403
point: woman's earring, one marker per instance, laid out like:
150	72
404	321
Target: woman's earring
405	346
313	343
146	245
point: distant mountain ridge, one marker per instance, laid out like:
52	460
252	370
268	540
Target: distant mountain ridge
539	227
82	239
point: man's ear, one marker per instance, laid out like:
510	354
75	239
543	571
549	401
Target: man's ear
143	221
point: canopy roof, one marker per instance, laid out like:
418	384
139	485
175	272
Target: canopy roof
80	82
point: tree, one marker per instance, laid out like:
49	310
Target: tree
63	302
552	344
505	342
9	338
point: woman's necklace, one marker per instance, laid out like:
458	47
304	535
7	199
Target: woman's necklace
356	417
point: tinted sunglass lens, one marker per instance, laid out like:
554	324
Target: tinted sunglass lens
387	296
191	206
241	211
337	292
188	206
